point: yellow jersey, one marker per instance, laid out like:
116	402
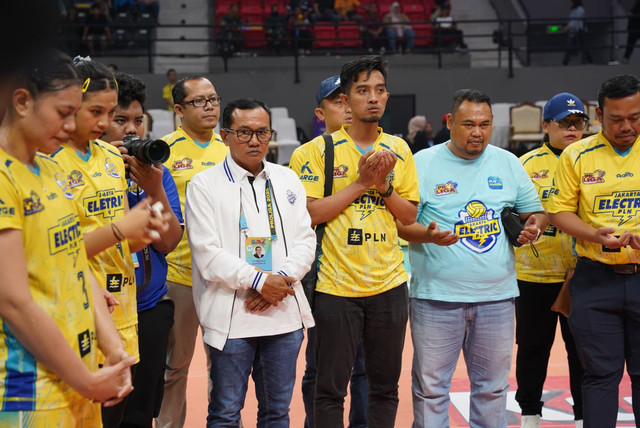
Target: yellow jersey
361	255
167	94
97	181
602	187
188	157
555	248
38	203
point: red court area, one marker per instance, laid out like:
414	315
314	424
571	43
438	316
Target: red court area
557	411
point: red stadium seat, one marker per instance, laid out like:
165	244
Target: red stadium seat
324	36
415	12
252	15
349	35
424	35
254	37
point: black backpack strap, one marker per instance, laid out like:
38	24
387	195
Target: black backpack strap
328	178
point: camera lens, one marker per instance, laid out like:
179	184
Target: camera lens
148	151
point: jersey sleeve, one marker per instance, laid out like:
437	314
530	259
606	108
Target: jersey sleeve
172	193
527	199
11	213
407	184
311	168
566	187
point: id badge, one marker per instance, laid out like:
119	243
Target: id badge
257	252
136	262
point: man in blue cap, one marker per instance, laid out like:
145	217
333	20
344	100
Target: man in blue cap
334	113
540	276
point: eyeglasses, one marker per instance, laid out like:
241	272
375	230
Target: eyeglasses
565	123
202	103
245	134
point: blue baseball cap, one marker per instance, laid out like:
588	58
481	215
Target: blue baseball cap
327	87
563	105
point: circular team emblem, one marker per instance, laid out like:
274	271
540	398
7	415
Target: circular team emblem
478	228
110	168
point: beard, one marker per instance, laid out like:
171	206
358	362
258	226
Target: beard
371	119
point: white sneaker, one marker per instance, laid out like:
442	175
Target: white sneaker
530	421
579	423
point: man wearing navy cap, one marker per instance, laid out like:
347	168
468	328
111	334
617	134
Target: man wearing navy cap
596	199
334	113
540	276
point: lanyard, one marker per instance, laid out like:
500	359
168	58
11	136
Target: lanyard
272	223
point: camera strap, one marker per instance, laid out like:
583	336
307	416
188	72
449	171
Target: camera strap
145	263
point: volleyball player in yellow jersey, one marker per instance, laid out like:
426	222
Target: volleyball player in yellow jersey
541	273
96	177
53	316
194	147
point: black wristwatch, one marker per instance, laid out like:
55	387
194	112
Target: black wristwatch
388	192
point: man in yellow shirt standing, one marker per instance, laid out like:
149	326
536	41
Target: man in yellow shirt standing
172	76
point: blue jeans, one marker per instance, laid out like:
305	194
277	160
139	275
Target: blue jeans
484	333
271	360
408	34
359	386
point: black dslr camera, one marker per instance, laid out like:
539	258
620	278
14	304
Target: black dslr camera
147	151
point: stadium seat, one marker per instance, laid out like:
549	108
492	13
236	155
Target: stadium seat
252	14
424	35
254	37
415	12
349	35
324	36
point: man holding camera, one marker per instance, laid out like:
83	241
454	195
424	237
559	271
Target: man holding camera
194	147
155	309
463	284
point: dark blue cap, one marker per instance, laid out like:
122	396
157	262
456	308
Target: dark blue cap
327	87
563	105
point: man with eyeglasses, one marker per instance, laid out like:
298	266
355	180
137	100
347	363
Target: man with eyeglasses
252	310
541	272
194	148
596	199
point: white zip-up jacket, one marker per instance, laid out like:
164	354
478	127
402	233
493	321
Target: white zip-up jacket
221	276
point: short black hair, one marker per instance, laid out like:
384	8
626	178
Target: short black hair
170	70
130	89
471	95
352	70
242	104
49	70
95	75
178	92
618	87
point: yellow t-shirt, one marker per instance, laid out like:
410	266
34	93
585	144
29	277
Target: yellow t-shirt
188	157
166	93
603	188
97	181
555	252
360	251
37	204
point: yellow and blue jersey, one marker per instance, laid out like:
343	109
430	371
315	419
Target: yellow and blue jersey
554	248
188	157
360	251
38	203
602	186
97	181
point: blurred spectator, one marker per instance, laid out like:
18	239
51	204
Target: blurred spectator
304	5
113	68
397	26
152	7
104	8
373	30
443	134
71	31
323	11
446	28
231	38
633	28
275	30
347	10
122	5
300	26
172	77
420	134
96	28
576	29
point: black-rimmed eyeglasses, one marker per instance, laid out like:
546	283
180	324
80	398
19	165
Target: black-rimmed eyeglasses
201	102
245	134
565	123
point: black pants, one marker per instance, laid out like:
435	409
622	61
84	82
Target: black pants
605	322
576	41
153	336
341	323
535	332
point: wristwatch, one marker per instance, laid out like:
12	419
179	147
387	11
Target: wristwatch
388	192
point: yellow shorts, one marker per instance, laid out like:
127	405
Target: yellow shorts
129	336
81	414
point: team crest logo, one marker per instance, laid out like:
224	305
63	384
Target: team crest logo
65	236
367	203
186	163
340	171
478	228
446	189
32	204
75	179
134	189
291	197
354	237
110	168
84	343
63	184
594	177
623	205
114	282
540	174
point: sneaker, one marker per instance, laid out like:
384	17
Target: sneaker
579	423
530	421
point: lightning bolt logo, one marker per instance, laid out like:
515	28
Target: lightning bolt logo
478	227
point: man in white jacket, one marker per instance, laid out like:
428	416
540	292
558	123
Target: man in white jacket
252	310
